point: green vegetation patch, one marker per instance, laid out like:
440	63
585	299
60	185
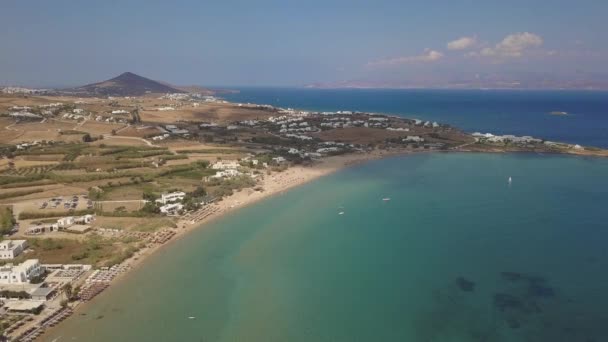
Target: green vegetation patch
93	250
212	151
7	220
24	215
19	193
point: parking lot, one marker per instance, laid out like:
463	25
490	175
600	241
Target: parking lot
75	202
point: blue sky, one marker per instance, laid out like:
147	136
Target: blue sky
52	43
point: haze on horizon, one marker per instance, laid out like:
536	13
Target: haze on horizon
288	43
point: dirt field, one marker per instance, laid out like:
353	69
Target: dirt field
36	131
7	101
213	112
359	135
127	206
99	128
121	141
26	161
42	158
139	132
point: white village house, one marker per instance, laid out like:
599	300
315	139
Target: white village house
20	274
171	197
65	222
171	209
226	173
225	165
9	249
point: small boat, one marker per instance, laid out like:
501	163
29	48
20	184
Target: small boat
510	180
386	199
341	213
191	317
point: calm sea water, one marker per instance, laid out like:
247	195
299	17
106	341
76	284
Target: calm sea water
456	255
495	111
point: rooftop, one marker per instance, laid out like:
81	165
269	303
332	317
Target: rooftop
23	305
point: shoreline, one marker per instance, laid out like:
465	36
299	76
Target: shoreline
275	184
287	180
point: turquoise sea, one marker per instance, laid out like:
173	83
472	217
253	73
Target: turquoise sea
457	255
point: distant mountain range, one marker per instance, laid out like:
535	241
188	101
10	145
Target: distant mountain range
513	80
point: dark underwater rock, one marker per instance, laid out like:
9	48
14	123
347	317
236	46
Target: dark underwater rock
513	323
511	276
465	284
505	301
516	276
541	291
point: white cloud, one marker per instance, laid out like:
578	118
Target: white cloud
513	46
428	56
462	43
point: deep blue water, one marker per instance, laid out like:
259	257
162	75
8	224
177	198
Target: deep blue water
495	111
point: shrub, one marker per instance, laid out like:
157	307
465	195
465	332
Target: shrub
7	220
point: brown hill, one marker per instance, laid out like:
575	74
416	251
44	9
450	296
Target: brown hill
127	84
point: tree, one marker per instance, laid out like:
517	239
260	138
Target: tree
199	192
150	207
95	193
149	196
87	138
67	289
7	220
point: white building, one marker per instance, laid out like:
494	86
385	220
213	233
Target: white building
65	222
327	150
25	115
413	138
171	209
401	129
227	173
171	197
20	274
225	165
120	111
9	249
86	219
163	109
